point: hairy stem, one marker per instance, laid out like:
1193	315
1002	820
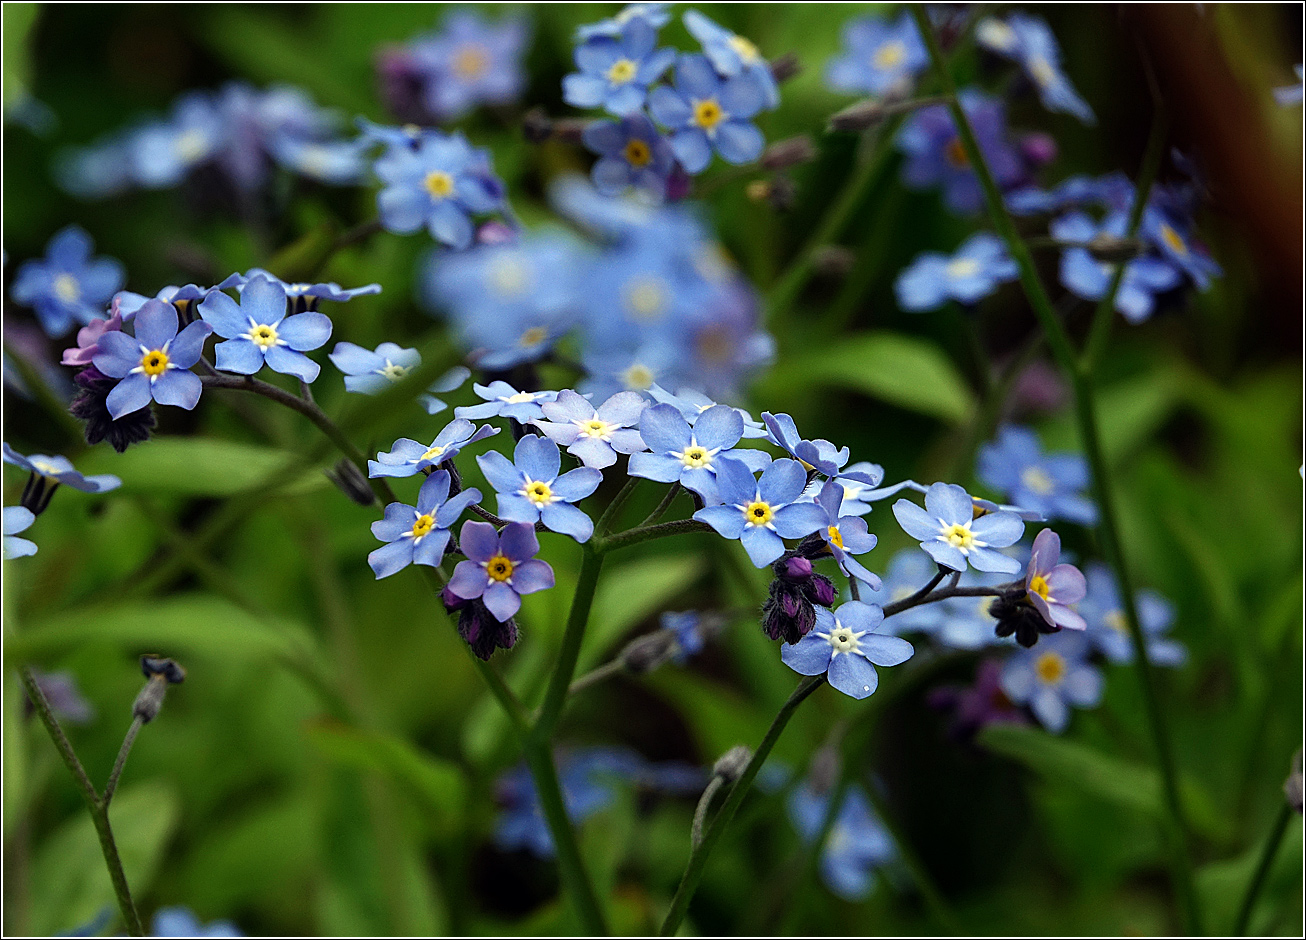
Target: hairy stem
123	751
649	532
663	506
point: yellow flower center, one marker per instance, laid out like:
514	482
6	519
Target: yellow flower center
263	336
424	524
836	537
1039	585
637	153
758	513
520	398
1036	480
1116	621
534	336
708	114
44	467
470	61
890	55
622	71
745	50
638	377
1173	240
645	298
956	153
538	492
432	453
959	536
1050	667
962	267
499	568
392	372
439	184
67	289
154	362
695	456
596	428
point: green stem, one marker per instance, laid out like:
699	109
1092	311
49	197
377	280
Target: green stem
1086	415
661	508
118	764
1268	852
647	533
591	561
698	856
610	514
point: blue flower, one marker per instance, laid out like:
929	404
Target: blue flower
732	55
844	647
373	372
407	457
17	519
816	454
440	184
1085	276
857	844
688	627
155	363
1113	192
449	382
691	403
1029	41
1289	95
60	471
258	332
530	489
500	566
615	72
845	535
859	481
163	152
690	455
1108	630
182	922
303	296
1051	485
67	286
974	272
761	513
1051	677
504	401
594	435
1162	229
631	154
472	63
334	162
706	113
128	303
879	58
936	157
952	535
419	535
656	15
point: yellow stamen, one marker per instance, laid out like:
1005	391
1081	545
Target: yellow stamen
962	267
959	536
638	377
67	289
836	537
890	55
696	456
520	398
439	184
534	336
154	362
538	492
637	153
745	50
432	453
758	513
1039	585
708	114
1036	480
1173	240
470	61
263	336
1050	667
645	298
392	372
499	568
622	71
424	524
956	154
1116	621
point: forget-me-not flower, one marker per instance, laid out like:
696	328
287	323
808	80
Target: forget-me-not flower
438	185
67	286
258	332
761	513
971	274
818	454
408	457
1053	587
126	303
180	921
18	519
859	482
1087	277
449	382
1051	485
500	566
594	435
846	535
952	535
616	71
60	470
656	15
1028	40
689	455
878	57
691	403
1108	630
858	842
1170	236
472	62
705	113
418	535
631	154
504	401
371	372
732	55
845	648
302	295
1051	677
155	363
530	489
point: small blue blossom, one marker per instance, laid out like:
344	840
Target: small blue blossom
500	566
1051	677
17	519
182	922
732	55
438	185
1108	630
529	487
1289	95
1028	40
844	647
1051	485
67	286
846	535
333	162
163	152
631	154
303	296
878	57
688	627
155	363
859	481
761	513
974	272
504	401
449	382
594	435
258	332
127	303
656	15
689	455
1087	277
615	72
419	535
1113	192
816	454
858	842
692	403
952	535
472	63
373	372
60	470
407	457
706	113
1163	229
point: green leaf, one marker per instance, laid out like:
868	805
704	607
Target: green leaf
70	883
198	466
899	369
19	18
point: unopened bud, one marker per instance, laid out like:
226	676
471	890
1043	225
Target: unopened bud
537	126
350	481
648	652
569	130
730	766
161	673
1111	249
778	191
860	116
833	260
791	151
169	669
785	67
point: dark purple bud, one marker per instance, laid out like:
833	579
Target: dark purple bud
1015	615
785	67
1039	388
795	568
89	406
483	633
679	184
791	151
402	84
168	669
1039	149
859	116
821	590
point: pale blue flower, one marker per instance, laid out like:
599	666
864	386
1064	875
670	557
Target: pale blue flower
845	648
530	488
407	457
952	535
1051	677
258	332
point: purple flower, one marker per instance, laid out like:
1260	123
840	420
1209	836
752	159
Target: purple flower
844	647
259	333
530	489
789	611
845	535
1051	587
1051	678
615	72
155	363
500	566
504	401
631	154
88	340
1108	630
974	272
976	706
372	372
440	184
879	58
706	113
815	454
593	435
67	285
952	535
407	457
17	519
1051	485
689	455
761	513
419	535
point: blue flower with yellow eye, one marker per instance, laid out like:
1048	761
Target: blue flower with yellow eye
1172	238
258	332
818	454
952	535
371	372
845	535
1108	630
689	455
504	401
472	62
594	435
1085	276
706	113
440	184
858	842
1050	485
1028	40
845	647
732	55
971	274
530	488
692	403
1051	677
500	566
762	512
302	295
632	154
406	456
616	71
418	535
878	57
67	286
155	363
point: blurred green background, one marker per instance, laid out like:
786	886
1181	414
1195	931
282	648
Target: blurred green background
327	767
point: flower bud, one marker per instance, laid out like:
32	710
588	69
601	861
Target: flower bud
859	116
730	766
537	126
1017	615
478	627
648	652
785	67
792	151
1111	249
350	481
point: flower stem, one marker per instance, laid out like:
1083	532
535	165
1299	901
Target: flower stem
123	751
1268	851
610	514
647	533
591	561
663	506
1086	414
698	856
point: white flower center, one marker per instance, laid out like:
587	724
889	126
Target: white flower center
696	455
646	298
392	372
959	536
962	267
843	639
263	335
538	492
67	289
